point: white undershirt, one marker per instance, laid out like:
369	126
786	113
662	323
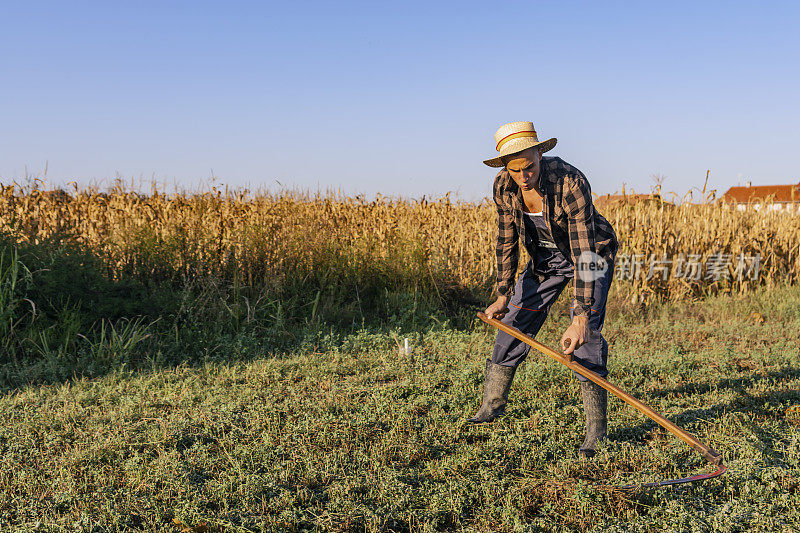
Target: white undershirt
533	214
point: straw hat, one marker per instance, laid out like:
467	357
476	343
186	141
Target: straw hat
515	137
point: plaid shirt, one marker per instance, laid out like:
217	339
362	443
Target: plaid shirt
574	223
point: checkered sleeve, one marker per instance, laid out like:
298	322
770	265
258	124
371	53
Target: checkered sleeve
507	245
578	205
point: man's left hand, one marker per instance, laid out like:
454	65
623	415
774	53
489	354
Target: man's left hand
577	333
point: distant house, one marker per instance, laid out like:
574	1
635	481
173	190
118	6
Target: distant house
613	200
777	197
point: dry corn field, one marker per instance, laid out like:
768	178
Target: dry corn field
266	238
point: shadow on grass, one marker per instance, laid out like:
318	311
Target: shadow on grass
66	314
736	384
764	405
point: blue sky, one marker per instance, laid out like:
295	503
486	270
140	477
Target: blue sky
398	98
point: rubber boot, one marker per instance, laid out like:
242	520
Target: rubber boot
496	382
595	400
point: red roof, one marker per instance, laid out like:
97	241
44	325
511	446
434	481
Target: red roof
759	193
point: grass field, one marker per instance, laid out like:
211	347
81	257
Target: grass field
344	434
136	400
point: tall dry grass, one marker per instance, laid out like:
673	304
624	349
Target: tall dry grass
316	242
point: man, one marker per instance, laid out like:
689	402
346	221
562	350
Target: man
547	203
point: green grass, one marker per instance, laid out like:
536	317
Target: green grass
239	422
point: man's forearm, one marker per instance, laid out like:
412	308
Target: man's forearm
507	261
583	296
581	320
582	241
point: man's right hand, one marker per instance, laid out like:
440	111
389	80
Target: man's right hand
499	308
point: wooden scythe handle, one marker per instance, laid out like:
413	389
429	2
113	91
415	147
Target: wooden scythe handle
710	455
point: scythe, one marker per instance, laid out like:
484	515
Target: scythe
709	454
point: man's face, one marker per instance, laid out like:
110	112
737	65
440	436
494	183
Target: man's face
524	169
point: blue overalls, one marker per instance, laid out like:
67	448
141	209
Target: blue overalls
541	283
